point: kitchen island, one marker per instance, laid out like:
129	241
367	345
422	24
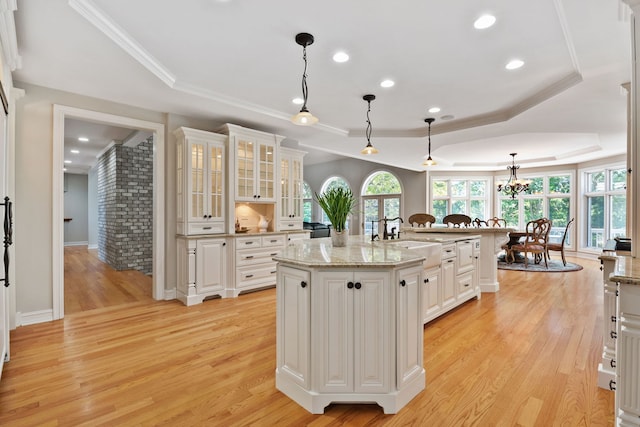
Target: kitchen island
349	327
491	241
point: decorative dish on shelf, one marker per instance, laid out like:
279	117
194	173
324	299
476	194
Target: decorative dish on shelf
242	230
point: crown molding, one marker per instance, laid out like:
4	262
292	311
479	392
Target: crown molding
8	37
119	36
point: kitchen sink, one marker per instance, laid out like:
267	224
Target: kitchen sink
430	250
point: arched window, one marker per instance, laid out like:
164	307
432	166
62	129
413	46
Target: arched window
333	182
381	197
307	202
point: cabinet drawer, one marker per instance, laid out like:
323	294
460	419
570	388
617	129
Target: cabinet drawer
256	256
448	251
206	228
465	283
290	225
248	242
277	240
252	276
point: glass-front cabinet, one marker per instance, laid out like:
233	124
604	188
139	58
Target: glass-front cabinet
255	156
200	182
291	182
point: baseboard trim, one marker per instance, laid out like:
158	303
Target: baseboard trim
76	243
93	246
170	294
31	318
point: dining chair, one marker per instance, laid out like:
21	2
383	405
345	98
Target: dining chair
479	223
457	220
559	247
496	222
422	219
535	242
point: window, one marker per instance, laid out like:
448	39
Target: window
464	196
548	196
333	182
381	198
307	202
606	206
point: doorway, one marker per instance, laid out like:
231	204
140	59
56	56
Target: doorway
157	129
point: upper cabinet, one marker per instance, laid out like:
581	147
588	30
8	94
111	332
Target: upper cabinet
253	157
291	178
200	182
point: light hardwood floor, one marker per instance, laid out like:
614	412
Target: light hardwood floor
89	283
524	356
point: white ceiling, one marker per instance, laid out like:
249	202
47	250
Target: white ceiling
236	61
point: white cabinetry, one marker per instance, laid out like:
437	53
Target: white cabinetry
201	269
627	384
200	182
431	294
255	267
607	366
448	275
253	156
361	342
291	177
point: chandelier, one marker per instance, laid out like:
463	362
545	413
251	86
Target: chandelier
514	185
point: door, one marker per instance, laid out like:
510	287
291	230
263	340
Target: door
245	163
211	264
409	330
431	299
266	172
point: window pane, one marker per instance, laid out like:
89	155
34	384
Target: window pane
478	188
595	225
560	184
477	209
439	188
509	211
335	182
392	210
536	186
382	183
618	216
440	208
458	189
559	214
595	181
532	209
306	191
458	206
370	214
618	179
306	211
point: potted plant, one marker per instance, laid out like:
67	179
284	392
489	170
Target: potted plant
337	203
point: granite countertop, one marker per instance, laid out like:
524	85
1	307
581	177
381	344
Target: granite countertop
248	233
359	252
444	235
627	271
451	230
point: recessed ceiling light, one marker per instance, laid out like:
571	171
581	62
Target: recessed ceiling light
434	109
298	101
340	57
83	139
485	21
514	64
67	161
75	151
387	83
447	117
64	169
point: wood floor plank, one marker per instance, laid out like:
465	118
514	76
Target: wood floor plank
526	355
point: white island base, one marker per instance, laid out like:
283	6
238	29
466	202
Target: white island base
349	325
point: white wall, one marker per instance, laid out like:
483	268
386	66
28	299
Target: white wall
92	208
76	230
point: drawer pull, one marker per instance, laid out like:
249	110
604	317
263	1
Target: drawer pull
248	243
274	241
450	260
273	254
466	285
248	276
612	362
249	257
207	228
612	385
274	272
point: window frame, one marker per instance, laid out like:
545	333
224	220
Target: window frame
381	198
468	198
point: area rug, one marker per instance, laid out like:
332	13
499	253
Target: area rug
554	266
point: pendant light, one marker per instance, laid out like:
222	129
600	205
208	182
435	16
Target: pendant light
514	185
304	117
369	149
429	161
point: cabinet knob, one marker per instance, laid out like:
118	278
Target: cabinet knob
426	280
358	285
303	284
403	283
612	362
258	196
224	244
613	319
613	335
350	285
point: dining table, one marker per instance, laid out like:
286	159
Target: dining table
514	238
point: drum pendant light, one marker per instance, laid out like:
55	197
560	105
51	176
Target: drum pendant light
369	149
304	117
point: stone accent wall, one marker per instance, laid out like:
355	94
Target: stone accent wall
125	207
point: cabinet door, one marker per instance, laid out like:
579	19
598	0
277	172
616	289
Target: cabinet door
332	345
245	168
294	315
215	205
372	331
285	188
266	168
198	182
409	330
464	255
448	277
431	294
210	265
296	188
